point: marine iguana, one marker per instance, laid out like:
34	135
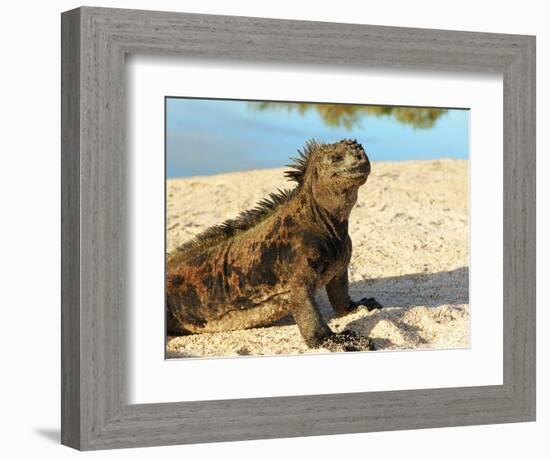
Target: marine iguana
268	261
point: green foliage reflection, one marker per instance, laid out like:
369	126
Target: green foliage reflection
348	116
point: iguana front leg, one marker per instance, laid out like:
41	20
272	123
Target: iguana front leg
315	330
310	322
338	295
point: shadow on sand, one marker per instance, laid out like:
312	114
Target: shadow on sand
398	294
405	291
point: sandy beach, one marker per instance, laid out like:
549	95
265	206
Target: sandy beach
410	251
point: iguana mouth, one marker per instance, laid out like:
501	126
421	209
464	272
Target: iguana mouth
357	170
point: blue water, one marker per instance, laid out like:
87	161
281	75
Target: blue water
206	137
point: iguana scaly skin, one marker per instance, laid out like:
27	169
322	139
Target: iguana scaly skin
269	261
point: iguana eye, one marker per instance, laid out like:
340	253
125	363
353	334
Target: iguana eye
336	158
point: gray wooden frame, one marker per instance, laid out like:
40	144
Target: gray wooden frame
95	413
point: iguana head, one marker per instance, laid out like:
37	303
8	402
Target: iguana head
332	173
342	163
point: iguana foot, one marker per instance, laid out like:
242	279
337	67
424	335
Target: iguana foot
347	341
371	304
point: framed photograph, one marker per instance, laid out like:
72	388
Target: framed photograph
319	215
277	228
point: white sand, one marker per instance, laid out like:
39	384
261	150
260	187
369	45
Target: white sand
410	251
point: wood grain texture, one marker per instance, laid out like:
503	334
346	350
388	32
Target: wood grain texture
95	412
70	229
